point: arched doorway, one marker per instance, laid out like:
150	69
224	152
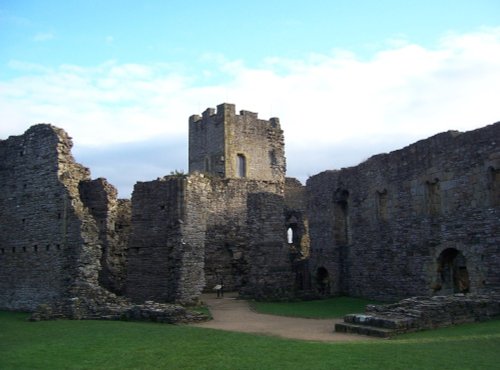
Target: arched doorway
452	272
323	280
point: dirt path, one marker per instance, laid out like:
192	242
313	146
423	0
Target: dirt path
234	314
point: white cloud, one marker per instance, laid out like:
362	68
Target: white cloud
401	94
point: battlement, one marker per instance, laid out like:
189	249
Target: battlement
225	111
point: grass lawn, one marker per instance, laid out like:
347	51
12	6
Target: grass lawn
318	309
68	344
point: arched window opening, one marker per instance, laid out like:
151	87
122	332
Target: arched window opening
289	235
241	165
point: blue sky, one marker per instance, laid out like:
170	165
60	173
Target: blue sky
348	79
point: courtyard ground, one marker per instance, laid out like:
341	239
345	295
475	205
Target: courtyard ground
232	314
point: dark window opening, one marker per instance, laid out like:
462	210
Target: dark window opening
24	249
433	197
272	158
494	186
341	217
47	247
382	205
35	248
241	165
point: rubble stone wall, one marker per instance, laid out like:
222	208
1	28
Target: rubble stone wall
155	240
383	225
227	234
110	214
270	274
48	241
190	233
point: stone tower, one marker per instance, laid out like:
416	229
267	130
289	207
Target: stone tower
229	145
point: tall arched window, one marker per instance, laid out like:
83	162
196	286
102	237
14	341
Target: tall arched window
242	165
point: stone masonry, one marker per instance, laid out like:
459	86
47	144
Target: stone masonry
190	232
229	145
49	242
423	220
421	313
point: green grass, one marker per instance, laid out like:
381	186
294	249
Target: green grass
133	345
201	309
318	309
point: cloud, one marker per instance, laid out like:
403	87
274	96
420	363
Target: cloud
336	108
144	160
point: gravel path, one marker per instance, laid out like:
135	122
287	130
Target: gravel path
234	314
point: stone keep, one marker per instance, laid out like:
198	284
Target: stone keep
229	145
202	218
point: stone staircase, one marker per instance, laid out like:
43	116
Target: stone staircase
421	313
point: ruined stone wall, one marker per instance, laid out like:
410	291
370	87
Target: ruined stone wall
380	228
189	232
297	226
270	273
222	142
113	218
48	240
227	235
166	248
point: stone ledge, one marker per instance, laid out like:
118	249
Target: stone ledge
99	304
421	313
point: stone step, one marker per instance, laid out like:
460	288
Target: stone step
371	331
392	323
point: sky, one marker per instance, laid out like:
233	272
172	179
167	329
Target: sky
348	79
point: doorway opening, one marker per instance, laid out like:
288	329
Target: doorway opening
453	276
323	280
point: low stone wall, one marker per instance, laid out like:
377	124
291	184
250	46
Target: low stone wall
103	305
421	313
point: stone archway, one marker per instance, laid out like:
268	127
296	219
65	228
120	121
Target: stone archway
452	274
323	280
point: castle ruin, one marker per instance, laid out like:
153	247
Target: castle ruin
423	220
